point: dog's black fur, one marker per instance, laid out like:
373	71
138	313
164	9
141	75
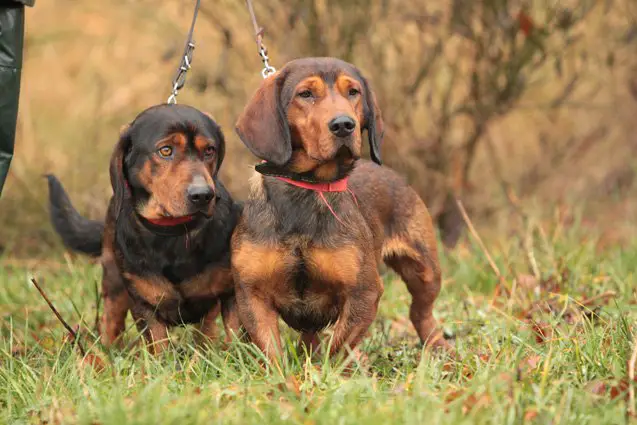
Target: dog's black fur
167	275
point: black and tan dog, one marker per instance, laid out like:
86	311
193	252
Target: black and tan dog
165	244
318	221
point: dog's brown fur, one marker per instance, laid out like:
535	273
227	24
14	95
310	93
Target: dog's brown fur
291	257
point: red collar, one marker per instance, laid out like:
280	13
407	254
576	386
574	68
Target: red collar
320	188
171	221
337	186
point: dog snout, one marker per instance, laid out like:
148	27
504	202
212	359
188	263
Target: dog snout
342	125
200	195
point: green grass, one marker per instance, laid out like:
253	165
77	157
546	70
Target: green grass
507	373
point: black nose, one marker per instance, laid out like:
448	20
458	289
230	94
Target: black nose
342	126
200	195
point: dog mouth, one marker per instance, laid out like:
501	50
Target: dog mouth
167	218
170	225
343	155
199	214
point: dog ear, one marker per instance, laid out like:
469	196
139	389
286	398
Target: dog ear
222	150
373	122
263	125
116	170
222	140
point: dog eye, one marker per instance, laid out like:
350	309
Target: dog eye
353	92
166	151
305	94
209	151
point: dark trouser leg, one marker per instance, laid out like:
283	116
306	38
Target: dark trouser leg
11	43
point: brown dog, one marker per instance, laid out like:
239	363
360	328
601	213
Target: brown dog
318	222
165	245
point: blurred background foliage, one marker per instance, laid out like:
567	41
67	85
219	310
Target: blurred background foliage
509	105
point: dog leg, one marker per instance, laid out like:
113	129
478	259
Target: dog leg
154	332
207	327
357	314
260	320
309	342
116	303
230	316
423	282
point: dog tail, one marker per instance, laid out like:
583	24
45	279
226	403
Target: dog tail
78	233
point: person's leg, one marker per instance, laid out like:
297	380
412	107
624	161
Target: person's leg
11	43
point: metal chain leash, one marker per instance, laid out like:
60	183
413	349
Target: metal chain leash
186	60
263	51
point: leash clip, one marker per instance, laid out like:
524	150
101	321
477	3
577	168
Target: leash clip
267	68
180	76
263	52
186	60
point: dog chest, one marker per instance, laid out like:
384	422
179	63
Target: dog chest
336	265
185	302
297	262
316	286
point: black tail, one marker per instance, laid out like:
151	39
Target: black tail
77	233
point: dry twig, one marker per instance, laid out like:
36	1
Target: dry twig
631	381
598	298
98	304
514	203
475	234
57	314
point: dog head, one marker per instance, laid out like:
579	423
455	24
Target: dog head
309	117
166	163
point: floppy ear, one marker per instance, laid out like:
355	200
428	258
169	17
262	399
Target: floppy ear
116	169
373	122
222	141
263	125
222	150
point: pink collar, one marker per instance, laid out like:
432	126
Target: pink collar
337	186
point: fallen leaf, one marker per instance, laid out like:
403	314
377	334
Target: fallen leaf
94	361
453	395
620	389
553	283
602	388
292	385
530	415
527	282
543	331
526	23
475	402
18	350
452	367
596	387
484	357
505	377
532	362
69	337
47	343
472	401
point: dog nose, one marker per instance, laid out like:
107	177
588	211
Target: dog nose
200	195
342	126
